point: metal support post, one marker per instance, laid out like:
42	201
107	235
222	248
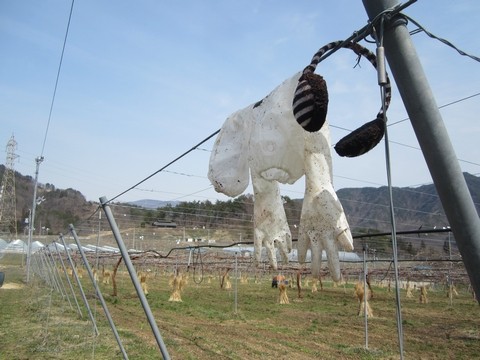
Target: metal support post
432	136
236	285
38	161
68	279
56	273
48	269
75	275
133	277
365	295
47	274
40	267
99	293
39	271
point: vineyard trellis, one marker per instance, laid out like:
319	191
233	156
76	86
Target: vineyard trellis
192	257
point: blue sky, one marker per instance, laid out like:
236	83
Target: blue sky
143	81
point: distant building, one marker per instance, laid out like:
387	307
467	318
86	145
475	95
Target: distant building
164	224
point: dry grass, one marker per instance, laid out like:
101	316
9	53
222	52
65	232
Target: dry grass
36	323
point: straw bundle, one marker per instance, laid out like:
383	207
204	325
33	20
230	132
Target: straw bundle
363	298
283	297
177	283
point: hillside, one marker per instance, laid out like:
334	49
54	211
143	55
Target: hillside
414	207
366	208
60	207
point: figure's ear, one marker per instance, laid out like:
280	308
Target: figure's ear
362	140
310	102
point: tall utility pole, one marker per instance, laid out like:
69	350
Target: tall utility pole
432	136
8	203
31	221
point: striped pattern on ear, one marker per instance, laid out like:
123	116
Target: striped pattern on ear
310	103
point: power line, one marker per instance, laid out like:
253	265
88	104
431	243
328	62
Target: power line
446	42
163	168
440	107
58	76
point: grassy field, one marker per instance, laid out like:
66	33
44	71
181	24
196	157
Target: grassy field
246	323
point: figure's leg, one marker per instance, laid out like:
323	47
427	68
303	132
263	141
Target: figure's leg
323	224
270	221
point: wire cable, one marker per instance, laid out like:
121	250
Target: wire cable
379	31
163	168
440	107
446	42
58	76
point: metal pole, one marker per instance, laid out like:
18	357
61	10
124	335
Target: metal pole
432	136
34	267
450	281
38	160
99	293
75	275
236	286
40	267
133	277
68	279
46	269
55	275
449	249
40	270
365	295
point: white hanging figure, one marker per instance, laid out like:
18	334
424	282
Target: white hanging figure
266	138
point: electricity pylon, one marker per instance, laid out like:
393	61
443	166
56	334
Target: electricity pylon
8	203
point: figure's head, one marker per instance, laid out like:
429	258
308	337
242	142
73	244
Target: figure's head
228	167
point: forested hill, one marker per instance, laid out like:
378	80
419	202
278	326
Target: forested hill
366	208
414	207
57	209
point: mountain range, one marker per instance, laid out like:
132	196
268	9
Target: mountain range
366	208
